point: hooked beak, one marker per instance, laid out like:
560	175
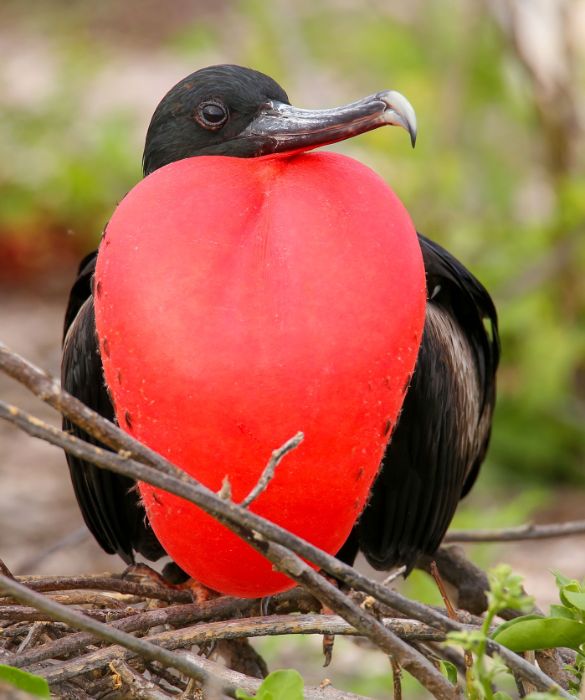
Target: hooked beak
281	128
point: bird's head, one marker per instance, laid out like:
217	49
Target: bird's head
233	111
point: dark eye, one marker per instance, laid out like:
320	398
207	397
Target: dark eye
211	114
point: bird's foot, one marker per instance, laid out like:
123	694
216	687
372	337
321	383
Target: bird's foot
199	592
138	571
172	577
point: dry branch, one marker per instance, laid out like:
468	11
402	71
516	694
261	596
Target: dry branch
187	637
517	534
268	474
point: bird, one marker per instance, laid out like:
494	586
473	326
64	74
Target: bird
442	433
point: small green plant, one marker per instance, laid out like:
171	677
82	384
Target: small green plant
505	592
34	685
563	627
285	684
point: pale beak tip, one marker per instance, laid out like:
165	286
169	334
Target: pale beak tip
400	112
412	132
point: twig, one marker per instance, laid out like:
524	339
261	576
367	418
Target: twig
470	582
135	685
4	570
20	613
251	685
396	680
366	624
106	583
519	533
34	632
269	470
234	629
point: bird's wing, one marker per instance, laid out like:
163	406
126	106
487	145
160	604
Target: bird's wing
444	428
109	502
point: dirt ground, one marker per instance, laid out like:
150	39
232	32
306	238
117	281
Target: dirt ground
38	509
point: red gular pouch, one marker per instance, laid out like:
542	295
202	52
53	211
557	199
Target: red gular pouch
241	301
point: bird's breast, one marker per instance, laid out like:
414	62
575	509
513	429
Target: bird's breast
239	302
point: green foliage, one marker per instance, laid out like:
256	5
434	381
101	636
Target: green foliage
537	632
29	683
279	685
564	627
505	593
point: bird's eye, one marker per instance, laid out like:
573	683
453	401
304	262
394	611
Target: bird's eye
211	115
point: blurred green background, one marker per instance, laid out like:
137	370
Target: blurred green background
498	174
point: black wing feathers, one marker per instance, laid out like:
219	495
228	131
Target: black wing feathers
109	502
442	435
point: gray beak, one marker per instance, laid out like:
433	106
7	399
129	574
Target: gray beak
281	128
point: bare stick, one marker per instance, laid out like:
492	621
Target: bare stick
4	570
135	685
396	679
106	583
269	470
234	629
515	534
436	574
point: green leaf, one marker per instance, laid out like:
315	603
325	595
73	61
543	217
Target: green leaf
449	670
533	632
34	685
562	611
575	598
560	579
285	684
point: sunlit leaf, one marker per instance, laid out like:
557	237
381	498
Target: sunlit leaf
562	611
449	670
534	632
29	683
285	684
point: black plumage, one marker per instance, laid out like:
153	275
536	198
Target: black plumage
443	431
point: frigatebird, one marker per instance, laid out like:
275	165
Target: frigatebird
442	434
